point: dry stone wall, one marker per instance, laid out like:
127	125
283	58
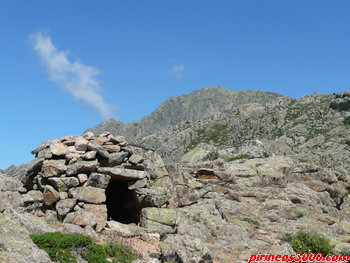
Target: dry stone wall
68	178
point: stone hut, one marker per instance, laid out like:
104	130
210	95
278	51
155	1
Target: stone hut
87	180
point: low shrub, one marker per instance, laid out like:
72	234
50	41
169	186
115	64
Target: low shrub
95	254
303	242
340	106
120	252
59	245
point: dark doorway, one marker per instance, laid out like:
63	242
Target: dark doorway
120	203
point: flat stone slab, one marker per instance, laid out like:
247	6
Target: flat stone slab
122	174
82	167
88	194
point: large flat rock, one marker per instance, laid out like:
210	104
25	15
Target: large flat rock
122	174
88	194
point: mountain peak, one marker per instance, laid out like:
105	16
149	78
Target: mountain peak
199	104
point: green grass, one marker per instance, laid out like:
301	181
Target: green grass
59	245
234	158
251	221
303	242
303	161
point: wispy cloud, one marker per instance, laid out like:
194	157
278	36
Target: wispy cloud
177	70
73	76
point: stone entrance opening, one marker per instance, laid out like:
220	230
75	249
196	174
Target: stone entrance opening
121	205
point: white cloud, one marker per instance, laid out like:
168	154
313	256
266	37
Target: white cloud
73	76
177	70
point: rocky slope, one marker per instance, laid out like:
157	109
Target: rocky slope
190	107
201	211
307	128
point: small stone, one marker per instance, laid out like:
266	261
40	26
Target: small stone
89	231
104	134
123	144
100	150
89	135
112	148
70	217
68	140
58	149
100	140
81	204
98	180
32	197
51	196
88	194
76	208
81	144
117	158
138	184
72	156
90	155
92	215
72	161
136	158
82	178
81	167
22	189
63	195
46	154
51	216
63	184
53	168
63	207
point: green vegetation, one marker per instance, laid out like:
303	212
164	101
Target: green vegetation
59	246
340	106
216	134
347	120
251	221
303	161
120	253
278	132
303	242
293	111
342	96
237	157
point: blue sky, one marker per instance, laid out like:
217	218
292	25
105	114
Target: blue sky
68	65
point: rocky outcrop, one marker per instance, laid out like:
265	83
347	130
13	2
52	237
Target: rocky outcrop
16	245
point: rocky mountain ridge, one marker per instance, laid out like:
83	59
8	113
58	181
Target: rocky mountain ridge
190	107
